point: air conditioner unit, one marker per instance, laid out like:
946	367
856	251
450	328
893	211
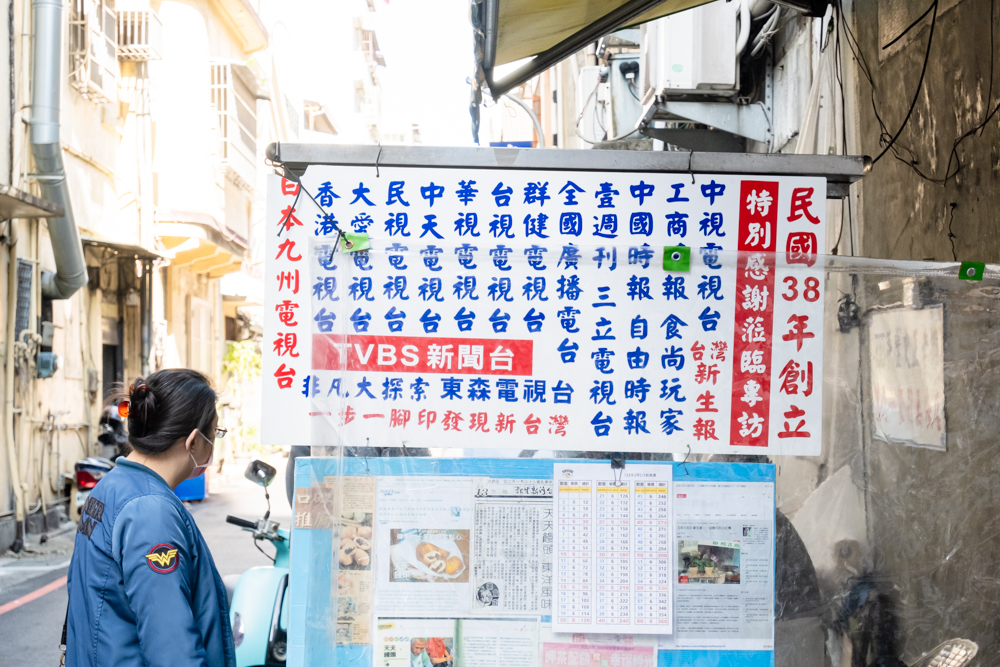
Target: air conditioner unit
691	53
140	35
93	50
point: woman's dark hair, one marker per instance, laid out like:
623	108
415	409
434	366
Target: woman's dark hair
168	405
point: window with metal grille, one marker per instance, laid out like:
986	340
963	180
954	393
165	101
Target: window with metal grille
93	49
22	318
236	108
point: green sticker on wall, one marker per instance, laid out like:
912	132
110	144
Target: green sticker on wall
351	242
971	270
676	258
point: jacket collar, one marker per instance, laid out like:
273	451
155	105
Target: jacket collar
125	463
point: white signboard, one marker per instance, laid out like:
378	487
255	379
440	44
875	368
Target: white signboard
546	310
907	367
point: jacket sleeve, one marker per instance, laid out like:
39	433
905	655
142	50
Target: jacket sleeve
154	546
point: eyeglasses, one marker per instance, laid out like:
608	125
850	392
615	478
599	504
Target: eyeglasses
220	432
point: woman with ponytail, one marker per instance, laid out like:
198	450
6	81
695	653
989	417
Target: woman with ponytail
143	588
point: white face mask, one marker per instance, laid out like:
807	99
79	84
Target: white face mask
199	468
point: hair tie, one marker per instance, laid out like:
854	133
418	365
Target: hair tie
123	409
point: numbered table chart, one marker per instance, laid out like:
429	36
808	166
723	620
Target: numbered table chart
574	600
654	569
614	562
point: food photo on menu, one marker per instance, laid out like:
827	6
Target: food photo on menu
433	556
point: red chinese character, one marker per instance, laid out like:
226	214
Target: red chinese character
284	375
801	201
451	419
505	423
707	401
399	418
288	219
794	413
286	312
801	248
479	421
704	429
286	248
792	374
697	351
427	417
798	331
719	349
557	425
348	415
285	344
531	424
289	188
289	279
705	373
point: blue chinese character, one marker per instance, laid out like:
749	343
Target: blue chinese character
465	288
362	221
569	288
670	390
326	194
570	190
466	193
452	388
710	287
641	191
325	224
673	325
536	226
360	320
669	417
430	289
396	194
639	328
677	187
536	192
567	318
710	255
641	222
533	319
310	386
499	255
637	389
430	257
570	223
499	321
359	193
466	224
709	319
604	196
465	257
335	387
607	227
673	288
396	224
603	297
712	190
502	194
534	391
673	357
507	390
392	389
638	288
606	335
570	257
602	360
324	256
635	421
601	424
361	289
637	359
325	289
397	261
418	387
603	254
363	388
562	393
479	389
430	227
394	319
502	226
430	321
361	260
535	289
324	320
677	224
640	255
536	255
711	224
603	392
567	351
499	289
432	192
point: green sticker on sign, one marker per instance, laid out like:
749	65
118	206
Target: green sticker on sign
351	242
676	258
971	270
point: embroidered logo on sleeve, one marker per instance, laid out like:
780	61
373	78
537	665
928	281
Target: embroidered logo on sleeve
162	558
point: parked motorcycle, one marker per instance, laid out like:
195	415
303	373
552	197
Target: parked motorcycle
258	609
86	474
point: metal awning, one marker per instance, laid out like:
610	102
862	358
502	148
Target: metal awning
199	242
552	30
15	203
138	252
838	170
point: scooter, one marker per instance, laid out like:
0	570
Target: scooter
258	610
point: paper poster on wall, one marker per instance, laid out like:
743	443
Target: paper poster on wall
907	376
462	642
546	309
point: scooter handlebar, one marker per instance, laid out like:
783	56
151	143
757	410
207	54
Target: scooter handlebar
242	523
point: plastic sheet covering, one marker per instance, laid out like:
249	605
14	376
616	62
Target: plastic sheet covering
885	542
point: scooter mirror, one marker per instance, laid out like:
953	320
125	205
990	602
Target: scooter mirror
260	473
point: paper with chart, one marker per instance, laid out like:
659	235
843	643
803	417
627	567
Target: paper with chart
615	548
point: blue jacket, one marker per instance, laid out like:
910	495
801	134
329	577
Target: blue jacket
143	589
